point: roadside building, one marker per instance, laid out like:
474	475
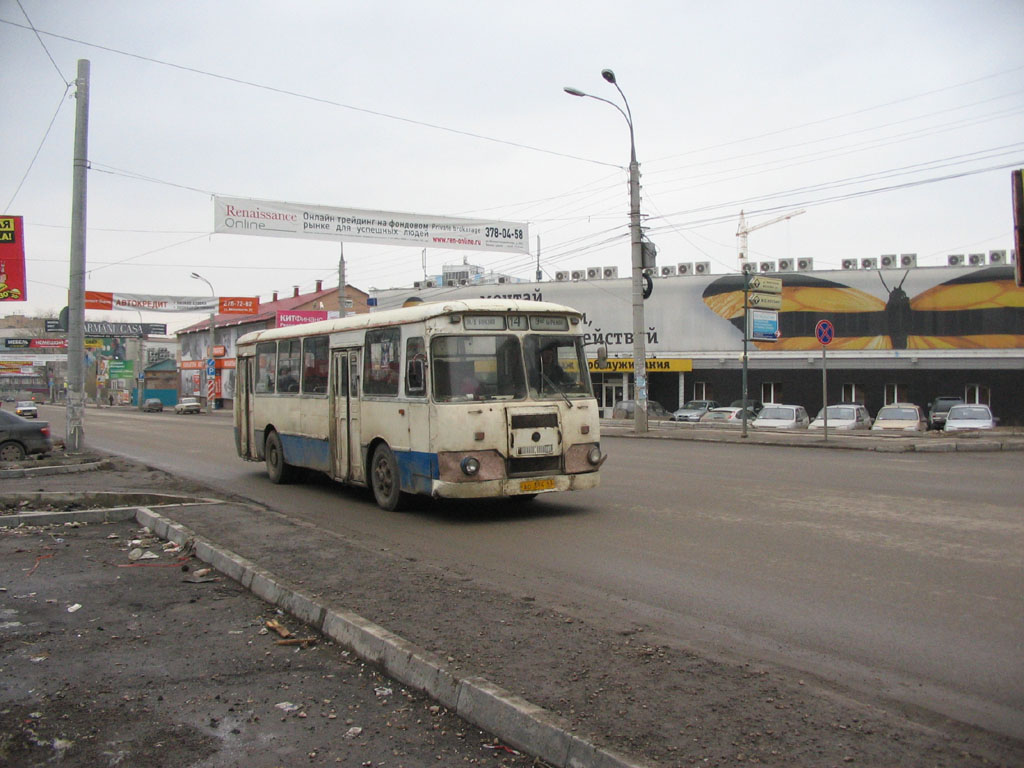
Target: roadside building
901	334
197	348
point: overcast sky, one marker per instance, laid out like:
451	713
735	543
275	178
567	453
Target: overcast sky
894	124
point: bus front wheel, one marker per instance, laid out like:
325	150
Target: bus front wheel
278	469
384	480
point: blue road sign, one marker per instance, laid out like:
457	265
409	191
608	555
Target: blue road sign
825	332
211	367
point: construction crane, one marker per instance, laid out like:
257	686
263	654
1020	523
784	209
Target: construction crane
744	230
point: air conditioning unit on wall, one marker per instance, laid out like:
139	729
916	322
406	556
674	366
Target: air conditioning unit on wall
849	264
594	273
997	257
609	273
702	268
561	276
908	260
889	260
668	271
684	268
955	260
804	265
579	274
767	266
786	265
869	263
976	259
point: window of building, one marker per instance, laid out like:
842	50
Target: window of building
702	391
852	394
894	393
977	393
771	392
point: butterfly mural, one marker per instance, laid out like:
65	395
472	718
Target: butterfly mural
983	309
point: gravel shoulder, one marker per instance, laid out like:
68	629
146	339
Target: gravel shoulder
650	697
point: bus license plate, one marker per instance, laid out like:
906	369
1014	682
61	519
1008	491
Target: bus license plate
529	486
527	450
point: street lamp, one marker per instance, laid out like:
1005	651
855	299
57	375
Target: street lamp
213	315
639	329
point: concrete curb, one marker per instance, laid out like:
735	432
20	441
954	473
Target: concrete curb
514	720
63	469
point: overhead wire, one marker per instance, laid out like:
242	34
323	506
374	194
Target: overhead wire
39	148
316	99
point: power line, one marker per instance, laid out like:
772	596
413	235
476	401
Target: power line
60	74
316	99
39	149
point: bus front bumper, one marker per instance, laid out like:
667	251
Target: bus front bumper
518	486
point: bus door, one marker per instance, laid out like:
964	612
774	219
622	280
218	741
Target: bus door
246	423
345	414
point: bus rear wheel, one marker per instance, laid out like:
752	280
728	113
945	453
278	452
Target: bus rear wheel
384	480
278	469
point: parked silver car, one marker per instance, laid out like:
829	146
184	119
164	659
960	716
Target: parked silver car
776	416
975	416
693	410
846	416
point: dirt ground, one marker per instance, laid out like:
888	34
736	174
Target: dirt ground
648	697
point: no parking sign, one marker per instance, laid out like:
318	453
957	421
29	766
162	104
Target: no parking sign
825	332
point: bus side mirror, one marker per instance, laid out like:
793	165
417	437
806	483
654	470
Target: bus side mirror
602	356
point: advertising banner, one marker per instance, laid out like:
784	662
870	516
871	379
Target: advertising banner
266	218
300	317
225	305
12	259
121	369
890	309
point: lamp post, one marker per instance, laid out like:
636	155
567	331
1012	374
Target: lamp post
639	329
213	315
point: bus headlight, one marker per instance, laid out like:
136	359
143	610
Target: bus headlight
594	455
470	465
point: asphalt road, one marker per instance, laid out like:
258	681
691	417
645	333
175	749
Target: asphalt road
901	575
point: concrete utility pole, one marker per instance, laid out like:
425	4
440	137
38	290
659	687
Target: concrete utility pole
74	439
636	257
341	279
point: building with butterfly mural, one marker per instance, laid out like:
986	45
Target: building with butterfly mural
901	334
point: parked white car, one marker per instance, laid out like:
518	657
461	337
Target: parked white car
845	417
973	416
188	405
775	416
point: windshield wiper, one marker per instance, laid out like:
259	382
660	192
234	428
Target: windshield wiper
557	389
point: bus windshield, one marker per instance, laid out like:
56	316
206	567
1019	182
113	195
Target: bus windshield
555	366
477	367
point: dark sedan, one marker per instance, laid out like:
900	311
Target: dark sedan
20	437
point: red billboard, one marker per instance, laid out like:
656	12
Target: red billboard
12	259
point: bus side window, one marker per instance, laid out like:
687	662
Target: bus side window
266	367
314	365
380	361
415	366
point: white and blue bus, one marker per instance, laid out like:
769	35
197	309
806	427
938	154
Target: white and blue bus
478	398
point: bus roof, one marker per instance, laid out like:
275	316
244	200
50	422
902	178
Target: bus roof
410	314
